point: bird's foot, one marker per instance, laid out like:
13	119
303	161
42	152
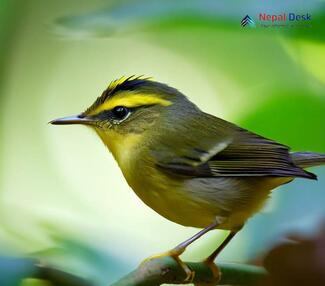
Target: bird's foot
175	253
214	269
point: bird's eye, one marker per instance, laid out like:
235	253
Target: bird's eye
120	112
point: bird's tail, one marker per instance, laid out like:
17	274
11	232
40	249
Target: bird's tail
308	159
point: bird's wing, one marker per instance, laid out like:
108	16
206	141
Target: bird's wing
232	151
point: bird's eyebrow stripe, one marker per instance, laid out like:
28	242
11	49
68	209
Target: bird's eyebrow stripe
130	101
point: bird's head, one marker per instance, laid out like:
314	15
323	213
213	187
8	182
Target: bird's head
130	110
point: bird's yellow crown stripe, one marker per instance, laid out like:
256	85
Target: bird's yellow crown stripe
120	81
130	100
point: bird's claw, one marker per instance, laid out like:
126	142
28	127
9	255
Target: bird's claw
190	274
214	269
175	253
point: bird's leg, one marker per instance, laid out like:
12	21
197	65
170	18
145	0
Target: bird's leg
180	248
210	259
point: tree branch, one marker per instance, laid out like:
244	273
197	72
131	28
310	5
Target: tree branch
165	270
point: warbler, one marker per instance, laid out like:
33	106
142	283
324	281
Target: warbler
189	166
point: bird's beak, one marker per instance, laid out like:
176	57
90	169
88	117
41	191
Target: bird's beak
75	119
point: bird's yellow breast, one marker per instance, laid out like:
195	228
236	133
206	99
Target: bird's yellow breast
156	189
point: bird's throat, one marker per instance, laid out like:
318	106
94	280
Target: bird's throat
122	146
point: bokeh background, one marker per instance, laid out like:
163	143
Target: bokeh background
63	198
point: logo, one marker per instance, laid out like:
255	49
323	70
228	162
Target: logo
280	20
247	21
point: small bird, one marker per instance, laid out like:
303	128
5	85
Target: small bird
189	166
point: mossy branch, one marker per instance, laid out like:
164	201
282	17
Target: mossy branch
166	271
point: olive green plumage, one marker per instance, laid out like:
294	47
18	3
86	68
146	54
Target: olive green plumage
189	166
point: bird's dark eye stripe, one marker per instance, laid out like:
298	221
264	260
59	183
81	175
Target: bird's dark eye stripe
117	113
109	113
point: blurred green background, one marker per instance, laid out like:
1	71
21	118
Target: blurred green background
63	198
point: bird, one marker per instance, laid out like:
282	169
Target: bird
189	166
